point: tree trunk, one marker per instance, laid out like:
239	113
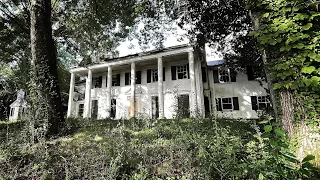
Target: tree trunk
287	101
256	25
44	64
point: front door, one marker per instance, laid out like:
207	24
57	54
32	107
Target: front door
113	108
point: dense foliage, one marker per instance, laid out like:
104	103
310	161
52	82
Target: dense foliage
144	149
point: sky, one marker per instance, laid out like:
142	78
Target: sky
125	48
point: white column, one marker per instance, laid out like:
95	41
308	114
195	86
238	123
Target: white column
71	92
199	86
109	85
87	100
133	88
193	95
160	88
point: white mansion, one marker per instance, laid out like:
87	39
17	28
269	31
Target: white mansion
168	83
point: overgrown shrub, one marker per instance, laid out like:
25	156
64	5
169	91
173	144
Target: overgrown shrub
137	149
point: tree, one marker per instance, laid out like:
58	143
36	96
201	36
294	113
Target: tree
44	63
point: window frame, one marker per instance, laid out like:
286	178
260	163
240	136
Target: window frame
185	72
232	105
226	75
96	82
266	102
12	111
154	75
79	115
115	80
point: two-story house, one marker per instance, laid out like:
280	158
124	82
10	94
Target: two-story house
168	83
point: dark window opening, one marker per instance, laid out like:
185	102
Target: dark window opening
183	106
113	108
81	109
97	82
155	107
94	111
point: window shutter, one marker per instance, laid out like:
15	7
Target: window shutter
138	77
149	76
188	70
254	103
127	78
235	103
118	79
250	73
233	75
100	82
204	74
173	72
219	104
216	76
164	73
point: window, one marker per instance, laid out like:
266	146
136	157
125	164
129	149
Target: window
81	109
260	103
254	72
116	80
183	106
97	82
182	72
128	78
94	109
12	112
113	108
152	75
227	104
224	75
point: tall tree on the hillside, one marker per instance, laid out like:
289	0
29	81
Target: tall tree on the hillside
44	63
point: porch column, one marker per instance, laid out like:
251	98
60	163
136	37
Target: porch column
199	86
109	85
193	95
87	100
133	88
71	92
160	88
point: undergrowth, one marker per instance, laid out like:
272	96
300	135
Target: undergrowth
141	149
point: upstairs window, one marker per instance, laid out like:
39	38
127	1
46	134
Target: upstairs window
254	72
180	72
97	82
116	80
152	75
224	75
227	104
11	111
260	103
128	78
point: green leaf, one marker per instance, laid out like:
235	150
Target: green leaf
277	86
308	158
307	26
279	132
264	121
308	70
290	157
265	15
261	177
268	128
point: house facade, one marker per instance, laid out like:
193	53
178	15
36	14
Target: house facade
168	83
18	107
